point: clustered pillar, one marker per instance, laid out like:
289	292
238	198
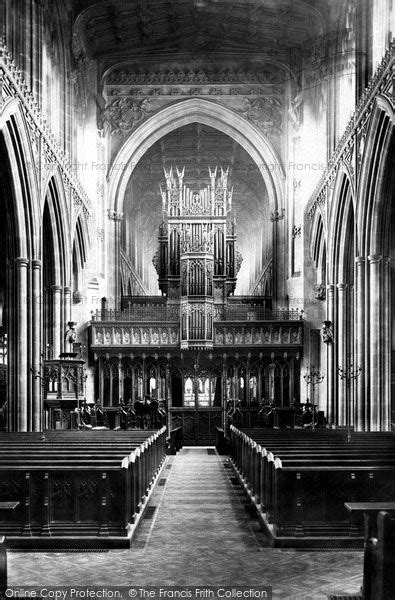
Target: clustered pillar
25	340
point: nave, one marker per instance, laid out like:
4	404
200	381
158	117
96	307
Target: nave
197	531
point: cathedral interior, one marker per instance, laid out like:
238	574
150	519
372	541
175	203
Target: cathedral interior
196	221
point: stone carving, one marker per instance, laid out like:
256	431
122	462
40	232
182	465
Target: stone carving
264	113
295	110
198	76
231	334
124	114
14	85
219	336
77	297
378	84
70	337
319	291
238	260
277	334
295	335
327	332
297	231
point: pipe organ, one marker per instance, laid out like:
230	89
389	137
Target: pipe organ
197	262
206	355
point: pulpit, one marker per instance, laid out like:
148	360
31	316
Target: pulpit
63	381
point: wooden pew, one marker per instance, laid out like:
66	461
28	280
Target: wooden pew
379	554
174	441
222	442
78	490
300	486
3	565
379	561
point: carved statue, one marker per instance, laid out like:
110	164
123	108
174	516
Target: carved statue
295	109
70	337
319	291
327	332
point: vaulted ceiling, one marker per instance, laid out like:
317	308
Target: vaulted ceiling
115	29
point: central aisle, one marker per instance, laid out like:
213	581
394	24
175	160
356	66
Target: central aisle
197	530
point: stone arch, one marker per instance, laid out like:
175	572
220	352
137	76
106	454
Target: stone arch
208	113
23	178
55	200
374	275
340	298
213	115
20	200
373	203
342	202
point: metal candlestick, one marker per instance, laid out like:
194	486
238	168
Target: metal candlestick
349	373
313	377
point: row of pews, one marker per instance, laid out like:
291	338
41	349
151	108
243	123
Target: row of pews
300	481
77	489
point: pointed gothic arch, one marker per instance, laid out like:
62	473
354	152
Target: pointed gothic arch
219	117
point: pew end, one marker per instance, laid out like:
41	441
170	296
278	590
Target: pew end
379	561
3	564
222	443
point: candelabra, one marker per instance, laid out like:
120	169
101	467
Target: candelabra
39	373
349	373
312	377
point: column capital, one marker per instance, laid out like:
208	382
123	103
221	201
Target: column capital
375	258
67	289
56	288
277	215
342	286
21	262
330	287
36	263
114	215
360	260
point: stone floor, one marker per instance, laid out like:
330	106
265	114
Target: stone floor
200	533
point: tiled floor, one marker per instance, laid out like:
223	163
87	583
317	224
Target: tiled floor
199	534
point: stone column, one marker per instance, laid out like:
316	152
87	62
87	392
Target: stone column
56	320
66	311
223	390
99	367
37	407
375	341
271	380
114	237
360	399
21	344
341	339
168	394
133	381
291	391
120	379
331	391
247	381
259	383
386	353
278	269
12	346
